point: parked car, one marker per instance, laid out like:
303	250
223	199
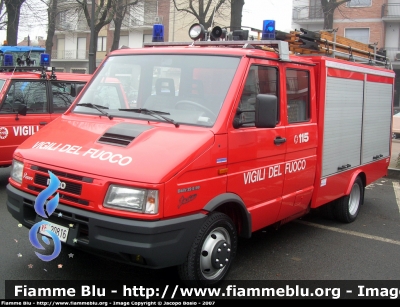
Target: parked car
31	99
396	126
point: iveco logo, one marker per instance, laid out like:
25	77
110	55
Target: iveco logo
62	185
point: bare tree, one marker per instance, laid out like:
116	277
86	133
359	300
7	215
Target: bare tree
205	11
3	21
52	15
236	14
33	13
122	9
13	12
104	12
48	14
328	8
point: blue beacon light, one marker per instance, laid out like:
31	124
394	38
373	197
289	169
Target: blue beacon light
44	59
8	60
268	31
158	33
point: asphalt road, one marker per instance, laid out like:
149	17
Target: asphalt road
310	248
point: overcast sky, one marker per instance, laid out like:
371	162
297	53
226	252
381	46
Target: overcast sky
254	12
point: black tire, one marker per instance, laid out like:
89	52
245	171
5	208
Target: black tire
212	252
327	211
347	207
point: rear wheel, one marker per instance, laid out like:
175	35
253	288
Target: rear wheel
347	207
212	252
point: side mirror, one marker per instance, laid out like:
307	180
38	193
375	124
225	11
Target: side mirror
22	109
266	111
76	89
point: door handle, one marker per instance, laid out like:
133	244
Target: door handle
43	123
377	156
279	140
340	168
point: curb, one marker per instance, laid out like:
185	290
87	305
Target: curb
393	173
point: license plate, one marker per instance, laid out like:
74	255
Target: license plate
60	231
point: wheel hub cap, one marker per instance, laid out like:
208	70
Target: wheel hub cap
221	254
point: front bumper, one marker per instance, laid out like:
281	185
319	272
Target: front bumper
152	244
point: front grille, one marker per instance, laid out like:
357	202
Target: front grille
62	174
71	187
62	196
41	177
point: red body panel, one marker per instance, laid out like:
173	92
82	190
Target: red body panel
335	186
138	162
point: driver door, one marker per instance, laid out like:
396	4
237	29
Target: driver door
256	156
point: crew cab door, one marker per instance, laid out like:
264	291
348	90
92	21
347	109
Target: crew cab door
14	128
256	156
301	139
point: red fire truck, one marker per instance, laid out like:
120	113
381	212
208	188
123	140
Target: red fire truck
219	139
30	98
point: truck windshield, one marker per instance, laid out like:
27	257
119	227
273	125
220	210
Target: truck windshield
188	89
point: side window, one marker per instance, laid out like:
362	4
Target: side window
64	94
30	93
298	96
260	80
9	104
2	82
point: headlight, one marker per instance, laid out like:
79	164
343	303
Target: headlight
131	199
16	171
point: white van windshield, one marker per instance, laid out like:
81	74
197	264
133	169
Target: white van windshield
188	89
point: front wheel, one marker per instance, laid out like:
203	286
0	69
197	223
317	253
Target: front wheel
347	207
212	252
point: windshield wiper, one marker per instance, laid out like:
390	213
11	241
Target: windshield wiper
97	107
154	113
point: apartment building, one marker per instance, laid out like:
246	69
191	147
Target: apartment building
71	42
375	22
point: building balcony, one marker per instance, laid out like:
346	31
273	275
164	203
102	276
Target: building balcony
391	12
137	23
74	55
308	14
80	26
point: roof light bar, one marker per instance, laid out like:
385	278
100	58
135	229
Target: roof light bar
158	33
8	60
45	59
268	31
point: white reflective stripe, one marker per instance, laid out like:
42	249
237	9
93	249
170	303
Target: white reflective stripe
360	69
396	188
349	232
